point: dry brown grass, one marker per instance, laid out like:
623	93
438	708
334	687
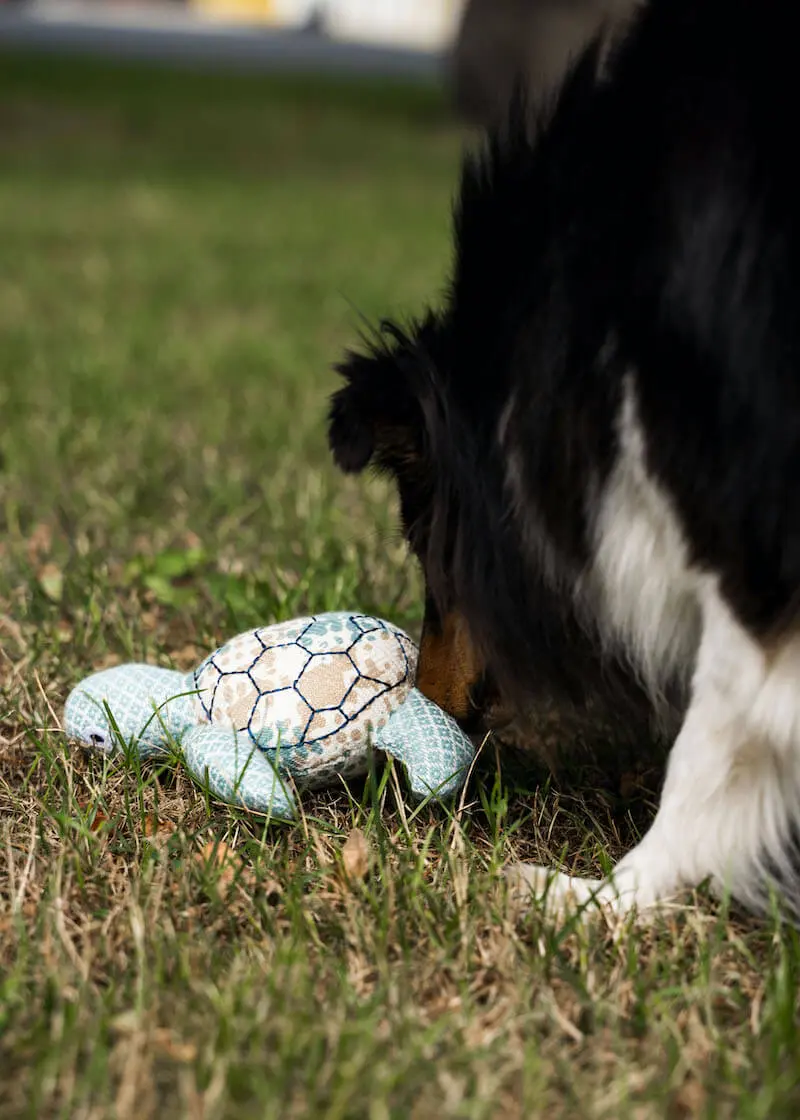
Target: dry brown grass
157	955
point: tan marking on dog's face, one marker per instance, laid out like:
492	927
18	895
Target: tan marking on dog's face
449	666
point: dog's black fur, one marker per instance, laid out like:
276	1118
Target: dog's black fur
648	228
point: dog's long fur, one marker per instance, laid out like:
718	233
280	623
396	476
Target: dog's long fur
597	440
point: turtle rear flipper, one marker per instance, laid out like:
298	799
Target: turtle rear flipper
431	746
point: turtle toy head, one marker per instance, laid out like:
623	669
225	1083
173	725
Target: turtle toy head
140	705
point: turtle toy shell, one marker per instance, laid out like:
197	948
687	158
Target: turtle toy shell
313	689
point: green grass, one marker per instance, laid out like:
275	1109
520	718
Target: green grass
182	258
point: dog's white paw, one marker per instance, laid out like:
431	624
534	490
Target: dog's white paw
558	895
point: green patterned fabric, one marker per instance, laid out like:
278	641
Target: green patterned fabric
431	746
236	771
143	705
299	703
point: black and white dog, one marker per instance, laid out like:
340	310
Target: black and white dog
596	441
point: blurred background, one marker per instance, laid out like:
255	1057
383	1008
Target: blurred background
476	46
202	203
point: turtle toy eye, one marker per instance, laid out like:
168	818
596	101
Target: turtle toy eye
97	739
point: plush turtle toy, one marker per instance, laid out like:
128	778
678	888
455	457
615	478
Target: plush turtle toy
303	700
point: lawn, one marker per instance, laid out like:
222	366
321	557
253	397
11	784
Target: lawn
182	258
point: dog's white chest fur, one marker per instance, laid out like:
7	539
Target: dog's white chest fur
641	587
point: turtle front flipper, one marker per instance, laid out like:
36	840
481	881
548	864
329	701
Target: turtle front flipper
431	746
235	770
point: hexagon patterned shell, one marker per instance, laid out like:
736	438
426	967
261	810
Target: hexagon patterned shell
314	687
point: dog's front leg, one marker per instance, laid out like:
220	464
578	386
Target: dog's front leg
731	797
